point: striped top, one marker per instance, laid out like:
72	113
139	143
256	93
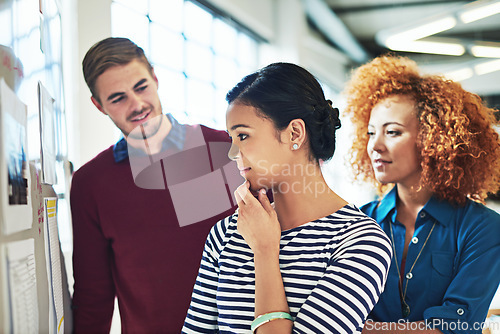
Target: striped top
333	269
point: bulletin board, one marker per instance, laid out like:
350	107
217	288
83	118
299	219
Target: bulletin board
34	294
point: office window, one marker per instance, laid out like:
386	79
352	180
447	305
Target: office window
198	55
31	30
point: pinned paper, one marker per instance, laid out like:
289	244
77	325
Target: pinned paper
15	199
21	276
47	135
52	254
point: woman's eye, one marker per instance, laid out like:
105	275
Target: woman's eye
393	133
370	133
242	136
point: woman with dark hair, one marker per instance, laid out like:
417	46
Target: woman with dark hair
307	263
434	144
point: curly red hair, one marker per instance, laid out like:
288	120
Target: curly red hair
459	148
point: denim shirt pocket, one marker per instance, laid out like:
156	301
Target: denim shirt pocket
442	273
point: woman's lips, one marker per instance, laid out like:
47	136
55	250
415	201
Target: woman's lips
379	163
244	171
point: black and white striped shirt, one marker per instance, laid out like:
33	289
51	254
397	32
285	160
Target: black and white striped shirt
333	269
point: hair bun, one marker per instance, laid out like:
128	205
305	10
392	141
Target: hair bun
325	125
335	118
328	114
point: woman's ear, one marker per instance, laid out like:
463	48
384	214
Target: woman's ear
297	133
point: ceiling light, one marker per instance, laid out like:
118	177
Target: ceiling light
481	12
459	75
487	67
422	31
449	49
485	51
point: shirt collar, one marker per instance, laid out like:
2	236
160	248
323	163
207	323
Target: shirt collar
441	211
174	139
387	205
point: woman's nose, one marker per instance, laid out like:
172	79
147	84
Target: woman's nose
376	144
234	152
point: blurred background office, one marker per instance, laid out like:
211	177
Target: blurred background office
201	48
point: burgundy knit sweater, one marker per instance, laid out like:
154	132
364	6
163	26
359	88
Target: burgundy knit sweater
128	244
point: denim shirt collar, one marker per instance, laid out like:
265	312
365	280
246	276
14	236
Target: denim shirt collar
175	139
442	211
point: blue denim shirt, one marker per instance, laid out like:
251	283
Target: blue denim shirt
175	138
458	272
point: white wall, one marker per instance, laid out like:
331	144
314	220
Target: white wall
95	131
89	131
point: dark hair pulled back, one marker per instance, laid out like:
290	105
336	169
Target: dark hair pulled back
284	92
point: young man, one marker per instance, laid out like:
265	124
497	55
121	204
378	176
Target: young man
142	208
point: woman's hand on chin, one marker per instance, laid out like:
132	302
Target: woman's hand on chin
257	221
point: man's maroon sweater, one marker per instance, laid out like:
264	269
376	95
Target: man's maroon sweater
128	244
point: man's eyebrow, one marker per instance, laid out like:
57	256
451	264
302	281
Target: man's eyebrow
140	83
115	95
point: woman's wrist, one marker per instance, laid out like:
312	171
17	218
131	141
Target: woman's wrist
267	253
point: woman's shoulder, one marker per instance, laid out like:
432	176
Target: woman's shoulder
352	218
469	215
222	231
357	230
478	215
478	208
350	212
370	208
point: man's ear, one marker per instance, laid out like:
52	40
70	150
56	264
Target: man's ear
98	105
154	77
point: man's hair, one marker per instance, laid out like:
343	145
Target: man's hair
110	52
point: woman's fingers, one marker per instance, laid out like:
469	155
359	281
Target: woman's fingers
239	198
241	193
264	201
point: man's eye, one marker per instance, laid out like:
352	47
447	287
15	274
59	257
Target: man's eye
140	89
117	99
242	136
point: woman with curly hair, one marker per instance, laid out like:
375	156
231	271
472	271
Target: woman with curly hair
430	147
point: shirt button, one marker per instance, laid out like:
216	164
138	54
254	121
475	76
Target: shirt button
414	240
460	311
409	276
422	214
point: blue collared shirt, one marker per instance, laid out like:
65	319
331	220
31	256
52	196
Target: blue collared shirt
174	139
457	273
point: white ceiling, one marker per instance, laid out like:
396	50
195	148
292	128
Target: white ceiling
365	18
